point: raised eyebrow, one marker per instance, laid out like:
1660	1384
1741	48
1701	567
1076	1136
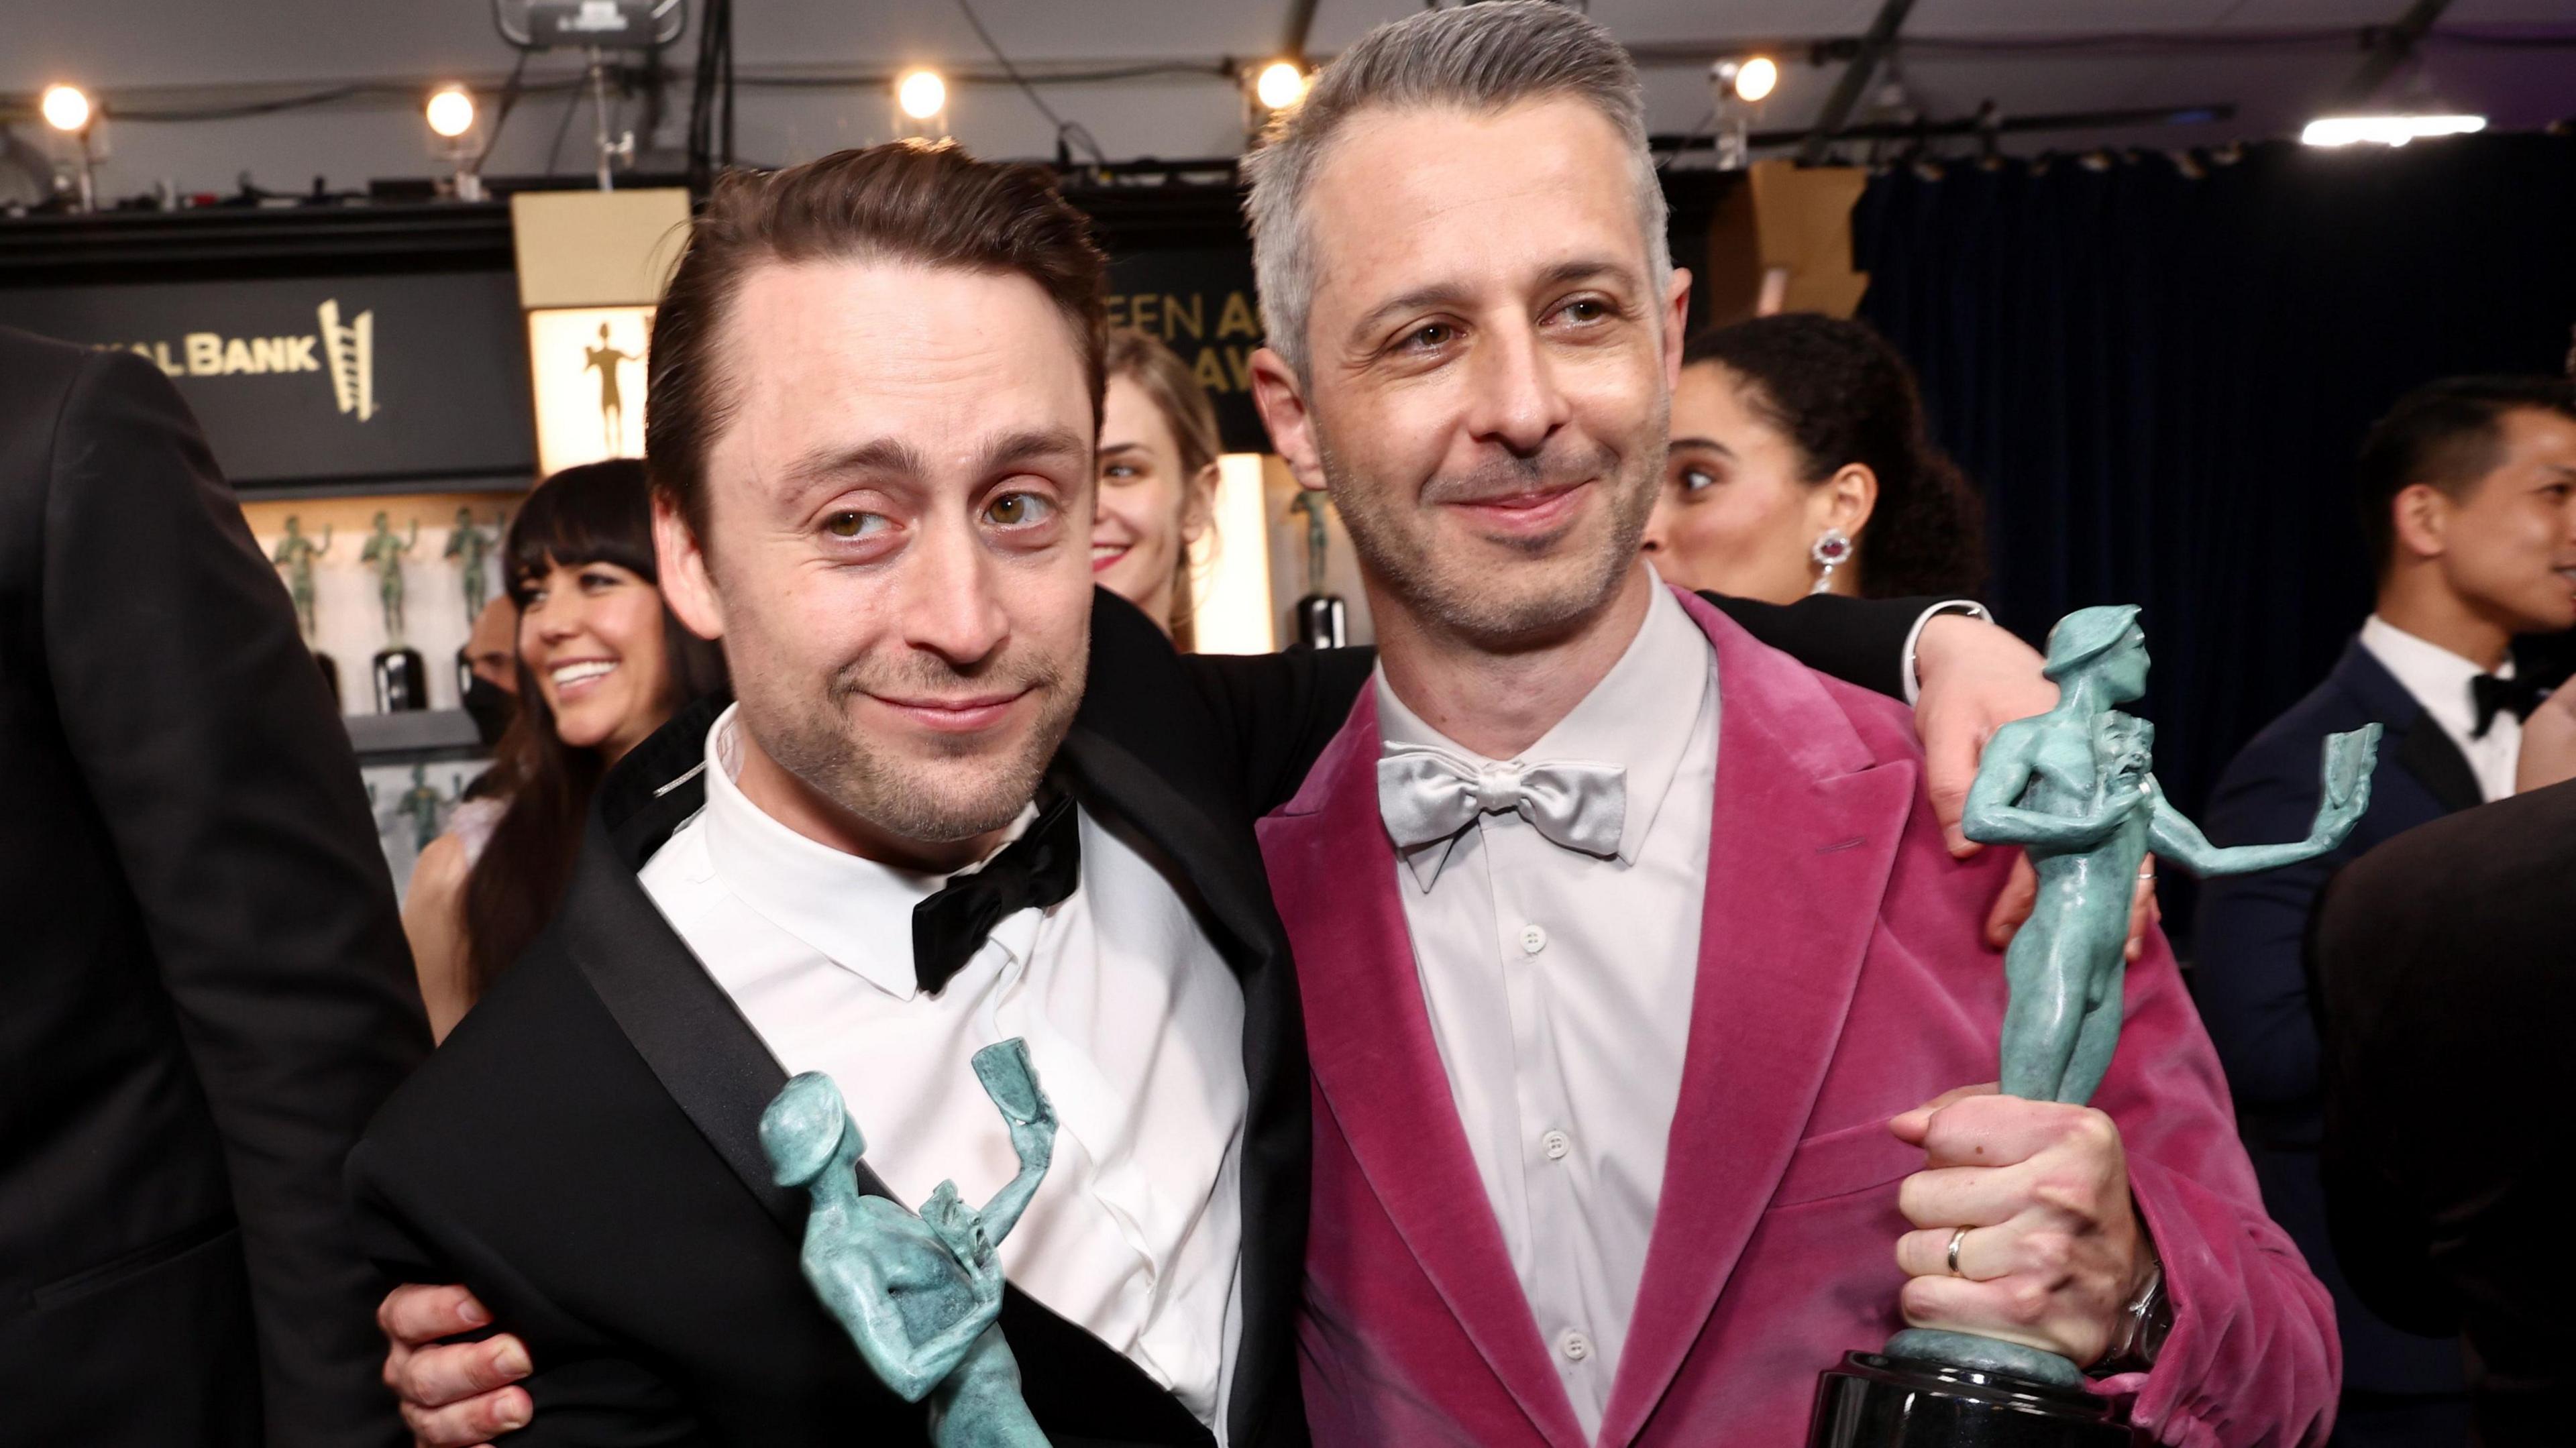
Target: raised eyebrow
1035	444
879	455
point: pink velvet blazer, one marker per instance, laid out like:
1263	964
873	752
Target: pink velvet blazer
1842	980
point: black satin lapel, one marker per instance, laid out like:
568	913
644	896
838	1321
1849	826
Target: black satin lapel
1226	876
2434	759
679	1020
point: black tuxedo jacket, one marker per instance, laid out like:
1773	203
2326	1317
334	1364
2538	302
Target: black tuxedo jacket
2447	971
204	990
2251	979
583	1150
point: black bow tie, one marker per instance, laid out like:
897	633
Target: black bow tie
1037	870
2494	695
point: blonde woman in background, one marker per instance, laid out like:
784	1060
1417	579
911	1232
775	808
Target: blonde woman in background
1158	451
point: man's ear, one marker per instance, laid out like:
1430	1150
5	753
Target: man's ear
687	590
1282	401
1676	319
2422	516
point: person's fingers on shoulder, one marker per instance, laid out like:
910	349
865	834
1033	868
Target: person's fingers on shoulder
473	1423
2013	904
2143	910
1951	744
416	1313
452	1373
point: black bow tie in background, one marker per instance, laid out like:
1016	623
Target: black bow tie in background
2494	695
1037	870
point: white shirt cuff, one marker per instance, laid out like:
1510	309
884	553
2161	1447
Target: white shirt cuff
1968	606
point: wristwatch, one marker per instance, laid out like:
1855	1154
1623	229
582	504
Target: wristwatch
2143	1327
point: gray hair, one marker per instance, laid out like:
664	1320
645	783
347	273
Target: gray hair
1482	57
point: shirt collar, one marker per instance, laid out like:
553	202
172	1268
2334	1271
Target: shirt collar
1635	718
2438	678
855	912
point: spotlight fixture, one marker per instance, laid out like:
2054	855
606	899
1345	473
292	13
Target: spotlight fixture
1756	77
2387	130
451	111
67	108
1281	84
921	94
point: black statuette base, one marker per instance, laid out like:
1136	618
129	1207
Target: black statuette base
1323	621
1874	1401
402	681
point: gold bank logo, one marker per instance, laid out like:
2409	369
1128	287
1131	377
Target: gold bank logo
346	350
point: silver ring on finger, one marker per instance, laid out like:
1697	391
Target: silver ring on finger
1957	1238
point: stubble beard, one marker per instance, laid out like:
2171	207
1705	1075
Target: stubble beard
1501	608
969	786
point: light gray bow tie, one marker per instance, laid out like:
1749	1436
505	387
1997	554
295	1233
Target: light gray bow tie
1427	795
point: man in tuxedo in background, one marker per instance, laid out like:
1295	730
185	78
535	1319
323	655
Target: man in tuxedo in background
2467	493
2442	964
205	989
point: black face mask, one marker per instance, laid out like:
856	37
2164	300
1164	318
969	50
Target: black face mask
492	707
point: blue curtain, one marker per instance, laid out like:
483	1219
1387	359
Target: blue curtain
2159	370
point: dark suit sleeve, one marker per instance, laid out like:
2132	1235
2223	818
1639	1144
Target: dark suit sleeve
2382	1238
2251	983
581	1392
1857	640
202	730
1276	712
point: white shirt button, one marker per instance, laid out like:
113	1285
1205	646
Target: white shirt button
1574	1345
1533	939
1557	1144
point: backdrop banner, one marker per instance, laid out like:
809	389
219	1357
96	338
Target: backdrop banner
327	379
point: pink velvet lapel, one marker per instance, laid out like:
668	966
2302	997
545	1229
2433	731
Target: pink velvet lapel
1368	1040
1803	840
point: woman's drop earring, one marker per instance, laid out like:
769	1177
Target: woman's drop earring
1833	549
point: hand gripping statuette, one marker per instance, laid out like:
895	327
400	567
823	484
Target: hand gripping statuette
920	1295
2074	788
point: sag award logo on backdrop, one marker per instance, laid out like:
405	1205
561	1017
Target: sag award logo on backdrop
345	350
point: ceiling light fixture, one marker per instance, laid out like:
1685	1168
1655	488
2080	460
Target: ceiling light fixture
67	108
2387	130
921	94
1281	84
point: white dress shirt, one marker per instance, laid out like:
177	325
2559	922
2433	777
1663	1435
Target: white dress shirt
1133	1020
1559	987
2439	680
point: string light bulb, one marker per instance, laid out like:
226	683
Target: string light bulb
450	111
66	108
921	94
1281	84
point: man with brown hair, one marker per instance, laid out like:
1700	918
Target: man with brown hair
875	385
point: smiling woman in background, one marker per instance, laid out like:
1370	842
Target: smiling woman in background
1158	451
602	664
1801	463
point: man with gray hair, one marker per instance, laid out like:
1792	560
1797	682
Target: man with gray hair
1642	997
